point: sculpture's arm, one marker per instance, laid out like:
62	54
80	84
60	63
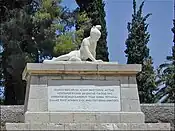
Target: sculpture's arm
94	54
94	49
90	56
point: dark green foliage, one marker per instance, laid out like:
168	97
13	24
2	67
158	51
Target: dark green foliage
166	77
6	5
137	52
43	30
14	57
146	82
28	34
1	76
95	11
138	37
82	24
23	38
1	69
14	20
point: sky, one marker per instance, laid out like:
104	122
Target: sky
119	13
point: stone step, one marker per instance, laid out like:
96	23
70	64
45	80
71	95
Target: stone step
88	126
84	117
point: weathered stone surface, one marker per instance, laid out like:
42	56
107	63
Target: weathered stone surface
107	118
71	77
86	117
55	126
39	117
17	126
132	117
38	92
56	117
88	126
92	77
104	69
118	67
129	105
159	113
37	105
129	93
12	113
154	113
61	117
156	126
80	67
34	80
36	126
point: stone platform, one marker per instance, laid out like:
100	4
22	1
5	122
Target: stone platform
77	96
89	126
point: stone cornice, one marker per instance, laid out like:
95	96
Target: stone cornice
83	68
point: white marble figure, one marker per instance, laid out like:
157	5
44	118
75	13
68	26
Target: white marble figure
87	49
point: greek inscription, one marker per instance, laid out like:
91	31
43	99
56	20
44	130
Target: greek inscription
90	94
83	98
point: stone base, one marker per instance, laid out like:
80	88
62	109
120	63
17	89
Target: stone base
88	126
125	114
77	117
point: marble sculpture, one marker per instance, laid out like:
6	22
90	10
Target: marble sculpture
87	49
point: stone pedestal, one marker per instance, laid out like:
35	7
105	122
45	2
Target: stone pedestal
82	96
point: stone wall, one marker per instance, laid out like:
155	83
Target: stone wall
154	113
159	113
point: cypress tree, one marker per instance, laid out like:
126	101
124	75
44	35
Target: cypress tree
95	11
137	52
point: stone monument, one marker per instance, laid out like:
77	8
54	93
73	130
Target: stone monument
87	49
78	95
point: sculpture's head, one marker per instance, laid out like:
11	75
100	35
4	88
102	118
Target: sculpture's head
95	33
